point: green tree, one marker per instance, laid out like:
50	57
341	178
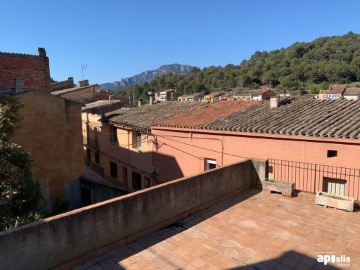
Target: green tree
19	193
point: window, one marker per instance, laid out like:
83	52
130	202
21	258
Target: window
97	157
113	134
331	153
334	186
146	182
136	140
136	180
124	176
113	170
210	164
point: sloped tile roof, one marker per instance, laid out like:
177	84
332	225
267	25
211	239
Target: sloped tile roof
205	114
337	89
141	118
262	91
304	117
103	106
352	91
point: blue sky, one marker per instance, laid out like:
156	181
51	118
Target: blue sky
120	38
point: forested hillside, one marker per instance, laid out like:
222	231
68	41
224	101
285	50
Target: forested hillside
327	59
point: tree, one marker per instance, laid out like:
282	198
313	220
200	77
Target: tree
19	193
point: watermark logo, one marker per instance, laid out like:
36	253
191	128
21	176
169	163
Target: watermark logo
329	257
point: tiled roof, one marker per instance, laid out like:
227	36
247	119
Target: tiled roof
336	89
73	89
102	106
215	94
167	90
141	118
261	91
304	117
205	114
352	91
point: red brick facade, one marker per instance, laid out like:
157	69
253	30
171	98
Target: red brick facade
33	69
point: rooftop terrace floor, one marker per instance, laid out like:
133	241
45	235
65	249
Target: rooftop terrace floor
254	230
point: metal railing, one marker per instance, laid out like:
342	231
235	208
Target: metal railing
311	177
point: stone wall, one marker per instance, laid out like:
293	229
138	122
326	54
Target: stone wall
96	229
33	69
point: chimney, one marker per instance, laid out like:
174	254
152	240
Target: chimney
71	81
151	97
110	98
140	102
83	83
41	52
274	102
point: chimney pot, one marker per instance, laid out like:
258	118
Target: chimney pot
41	52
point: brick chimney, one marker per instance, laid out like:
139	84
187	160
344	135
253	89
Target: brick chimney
83	83
41	52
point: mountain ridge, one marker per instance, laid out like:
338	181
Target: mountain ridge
147	76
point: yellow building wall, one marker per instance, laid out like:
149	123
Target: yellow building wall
51	131
122	153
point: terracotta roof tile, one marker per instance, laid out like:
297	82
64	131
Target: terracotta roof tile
141	118
304	117
205	114
337	89
352	91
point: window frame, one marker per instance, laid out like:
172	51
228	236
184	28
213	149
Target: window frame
113	134
208	162
113	169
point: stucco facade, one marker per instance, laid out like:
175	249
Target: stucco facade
84	94
192	149
51	132
121	156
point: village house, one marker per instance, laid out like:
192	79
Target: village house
49	128
242	96
194	97
213	97
119	144
352	93
165	95
228	96
306	133
262	94
334	92
83	93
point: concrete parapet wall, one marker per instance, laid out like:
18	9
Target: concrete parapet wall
95	229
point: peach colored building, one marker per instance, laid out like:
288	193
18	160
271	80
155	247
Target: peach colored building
119	144
262	94
334	92
311	142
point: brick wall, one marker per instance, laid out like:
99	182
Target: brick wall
69	83
33	69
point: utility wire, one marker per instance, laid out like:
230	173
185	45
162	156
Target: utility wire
211	150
